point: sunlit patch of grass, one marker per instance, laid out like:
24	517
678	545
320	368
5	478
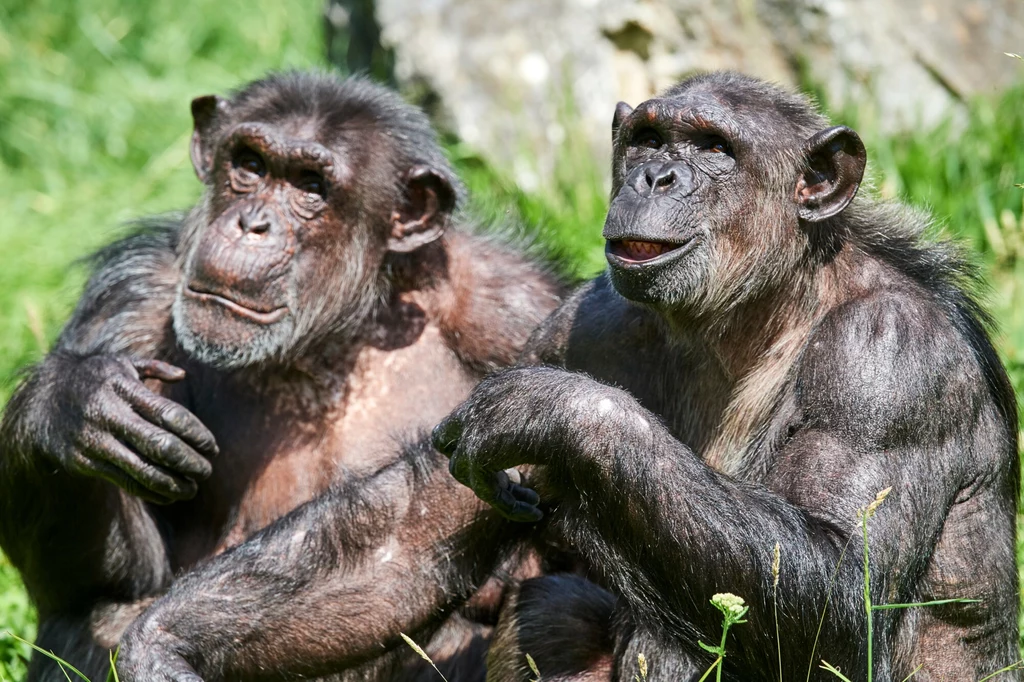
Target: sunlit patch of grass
16	615
95	128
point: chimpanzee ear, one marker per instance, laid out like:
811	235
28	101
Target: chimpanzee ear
204	115
622	110
834	166
424	211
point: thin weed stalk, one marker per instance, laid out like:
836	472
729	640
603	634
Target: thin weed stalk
733	610
423	654
776	569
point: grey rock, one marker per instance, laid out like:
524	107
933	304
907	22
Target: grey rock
524	80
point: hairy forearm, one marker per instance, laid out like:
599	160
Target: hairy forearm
681	533
330	585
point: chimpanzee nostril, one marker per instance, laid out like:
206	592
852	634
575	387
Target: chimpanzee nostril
253	223
658	178
666	179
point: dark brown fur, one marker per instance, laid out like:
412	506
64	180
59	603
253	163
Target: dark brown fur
300	447
790	352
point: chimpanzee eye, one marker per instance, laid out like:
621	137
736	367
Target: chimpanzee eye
647	137
716	145
249	161
312	183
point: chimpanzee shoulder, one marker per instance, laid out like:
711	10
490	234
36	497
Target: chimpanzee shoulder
589	328
503	288
887	368
132	282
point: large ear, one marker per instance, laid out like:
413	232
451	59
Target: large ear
423	214
622	110
204	115
834	167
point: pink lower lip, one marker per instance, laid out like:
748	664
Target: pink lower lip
258	316
641	251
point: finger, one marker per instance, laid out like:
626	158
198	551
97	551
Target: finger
161	447
461	469
151	477
512	491
170	416
113	475
157	369
524	494
502	495
445	436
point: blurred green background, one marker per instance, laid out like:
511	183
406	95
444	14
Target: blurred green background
94	128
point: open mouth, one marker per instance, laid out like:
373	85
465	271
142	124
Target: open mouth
257	316
636	251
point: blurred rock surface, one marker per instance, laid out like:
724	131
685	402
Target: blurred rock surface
513	78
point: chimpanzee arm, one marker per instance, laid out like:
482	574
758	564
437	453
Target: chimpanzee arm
82	409
328	586
888	395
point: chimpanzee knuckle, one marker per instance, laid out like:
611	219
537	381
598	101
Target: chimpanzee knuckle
76	462
108	413
190	429
524	494
525	512
461	468
172	487
87	439
171	414
445	436
184	488
145	657
186	461
163	443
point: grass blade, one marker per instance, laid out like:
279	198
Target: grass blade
422	654
776	571
533	667
913	672
59	661
1013	666
825	665
937	602
716	664
824	609
112	675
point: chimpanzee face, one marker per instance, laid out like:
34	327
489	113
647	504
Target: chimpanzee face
298	221
707	194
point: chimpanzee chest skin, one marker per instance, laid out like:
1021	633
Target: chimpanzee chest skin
289	439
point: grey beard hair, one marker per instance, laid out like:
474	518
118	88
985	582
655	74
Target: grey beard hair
338	315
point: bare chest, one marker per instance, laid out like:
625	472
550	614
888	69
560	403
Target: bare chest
286	439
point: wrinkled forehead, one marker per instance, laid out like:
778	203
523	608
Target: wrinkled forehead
328	128
348	143
761	116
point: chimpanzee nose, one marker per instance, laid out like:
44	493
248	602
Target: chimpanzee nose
253	222
662	178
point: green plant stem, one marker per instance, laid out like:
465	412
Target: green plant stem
716	665
867	595
824	609
914	605
718	673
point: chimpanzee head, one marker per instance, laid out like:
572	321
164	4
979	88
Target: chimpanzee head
720	187
313	183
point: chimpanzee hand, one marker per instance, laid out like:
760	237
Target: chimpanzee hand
149	653
527	416
104	422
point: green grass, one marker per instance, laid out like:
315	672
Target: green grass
94	127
